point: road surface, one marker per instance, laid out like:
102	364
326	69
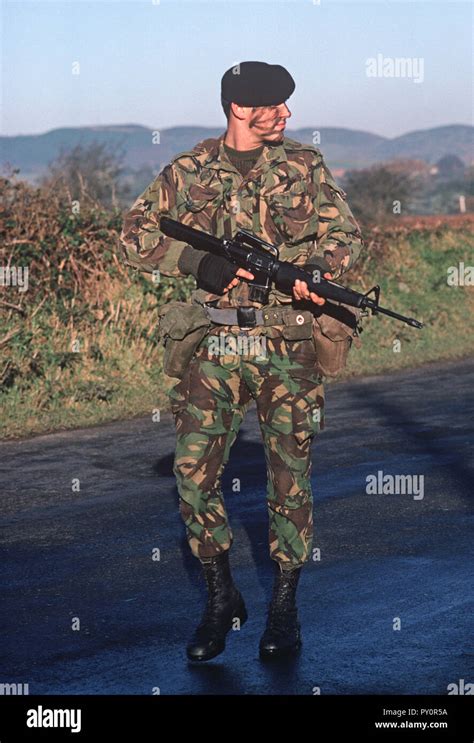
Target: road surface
386	610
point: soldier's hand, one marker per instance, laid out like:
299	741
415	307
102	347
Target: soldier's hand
243	274
301	291
217	274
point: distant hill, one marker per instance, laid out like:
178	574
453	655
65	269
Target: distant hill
342	148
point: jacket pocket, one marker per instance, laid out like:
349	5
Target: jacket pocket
293	212
198	197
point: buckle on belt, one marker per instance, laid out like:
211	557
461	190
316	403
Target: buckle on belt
246	318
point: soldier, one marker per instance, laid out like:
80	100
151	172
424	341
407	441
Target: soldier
255	178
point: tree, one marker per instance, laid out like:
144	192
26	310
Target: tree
450	166
89	173
377	194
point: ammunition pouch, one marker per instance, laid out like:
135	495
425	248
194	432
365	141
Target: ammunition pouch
181	327
335	329
298	325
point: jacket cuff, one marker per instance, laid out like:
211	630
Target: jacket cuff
189	260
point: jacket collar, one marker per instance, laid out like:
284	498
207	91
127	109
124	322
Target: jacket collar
215	155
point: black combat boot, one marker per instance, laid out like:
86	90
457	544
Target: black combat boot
282	635
224	604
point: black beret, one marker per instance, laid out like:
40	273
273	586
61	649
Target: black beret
256	84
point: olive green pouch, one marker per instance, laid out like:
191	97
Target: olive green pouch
334	332
182	327
298	325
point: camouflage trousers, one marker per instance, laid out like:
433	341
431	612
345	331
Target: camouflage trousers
208	406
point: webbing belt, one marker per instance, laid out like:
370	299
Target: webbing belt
249	317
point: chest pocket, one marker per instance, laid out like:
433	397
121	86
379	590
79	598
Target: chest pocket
198	197
293	212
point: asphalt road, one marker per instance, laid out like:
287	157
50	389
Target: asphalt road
86	554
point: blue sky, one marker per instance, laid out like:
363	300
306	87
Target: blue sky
160	63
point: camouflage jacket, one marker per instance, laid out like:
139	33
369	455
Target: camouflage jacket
289	198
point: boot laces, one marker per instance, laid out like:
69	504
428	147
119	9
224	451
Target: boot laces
283	612
220	596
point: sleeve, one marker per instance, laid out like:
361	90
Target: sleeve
143	244
339	239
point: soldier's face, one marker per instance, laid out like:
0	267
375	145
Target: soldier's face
269	122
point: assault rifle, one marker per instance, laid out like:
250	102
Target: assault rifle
248	251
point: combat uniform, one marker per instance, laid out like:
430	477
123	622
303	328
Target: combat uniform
289	198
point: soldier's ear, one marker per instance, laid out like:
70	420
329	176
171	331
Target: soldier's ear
240	112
